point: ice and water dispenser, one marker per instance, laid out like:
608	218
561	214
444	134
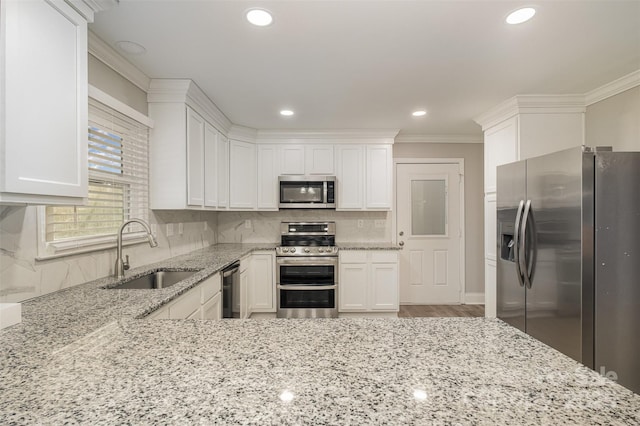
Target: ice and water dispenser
507	241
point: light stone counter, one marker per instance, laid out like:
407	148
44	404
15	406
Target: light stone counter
368	246
80	356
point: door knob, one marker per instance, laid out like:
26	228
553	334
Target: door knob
401	233
401	243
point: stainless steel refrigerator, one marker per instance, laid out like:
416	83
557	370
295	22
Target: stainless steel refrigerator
568	264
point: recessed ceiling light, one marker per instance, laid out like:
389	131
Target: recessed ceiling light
286	112
259	17
130	47
521	15
419	113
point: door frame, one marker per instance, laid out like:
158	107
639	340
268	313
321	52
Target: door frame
394	230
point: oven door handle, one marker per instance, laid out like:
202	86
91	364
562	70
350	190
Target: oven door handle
306	287
307	261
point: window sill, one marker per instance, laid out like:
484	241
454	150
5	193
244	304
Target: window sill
75	247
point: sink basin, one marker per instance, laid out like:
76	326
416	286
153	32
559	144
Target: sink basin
155	280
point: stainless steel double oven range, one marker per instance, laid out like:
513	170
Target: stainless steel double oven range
307	270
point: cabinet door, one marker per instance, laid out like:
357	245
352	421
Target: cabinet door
43	136
245	303
267	177
379	177
352	287
319	160
195	160
210	166
384	287
262	287
292	159
223	172
242	175
186	304
350	177
213	308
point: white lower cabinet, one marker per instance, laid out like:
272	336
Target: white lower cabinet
262	282
244	300
201	302
368	281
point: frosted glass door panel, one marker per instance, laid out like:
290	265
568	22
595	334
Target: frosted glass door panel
429	207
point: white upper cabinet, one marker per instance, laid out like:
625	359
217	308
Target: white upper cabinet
267	177
195	158
188	155
242	176
211	166
318	160
350	177
379	195
307	160
365	177
292	160
43	116
223	171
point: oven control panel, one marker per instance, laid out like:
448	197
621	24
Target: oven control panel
307	251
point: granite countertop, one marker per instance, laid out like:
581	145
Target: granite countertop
81	356
368	246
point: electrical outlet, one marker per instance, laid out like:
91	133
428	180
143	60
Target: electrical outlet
379	223
360	223
169	229
247	224
180	228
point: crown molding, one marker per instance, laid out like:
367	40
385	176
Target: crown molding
88	8
532	104
328	136
448	139
119	106
108	55
244	134
163	90
613	88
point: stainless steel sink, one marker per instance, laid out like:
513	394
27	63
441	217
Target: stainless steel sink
155	280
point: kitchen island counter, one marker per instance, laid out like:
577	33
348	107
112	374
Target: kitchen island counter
81	356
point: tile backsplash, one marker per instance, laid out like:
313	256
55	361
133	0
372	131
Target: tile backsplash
23	277
260	227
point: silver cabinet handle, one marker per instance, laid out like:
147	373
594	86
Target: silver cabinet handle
306	287
401	243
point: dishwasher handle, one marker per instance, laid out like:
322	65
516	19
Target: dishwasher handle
230	270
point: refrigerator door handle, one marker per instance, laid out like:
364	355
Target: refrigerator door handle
516	239
528	263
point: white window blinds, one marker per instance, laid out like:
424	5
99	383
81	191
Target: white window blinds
118	178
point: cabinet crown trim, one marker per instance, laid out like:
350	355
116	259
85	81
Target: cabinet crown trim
532	104
187	91
106	54
439	139
613	88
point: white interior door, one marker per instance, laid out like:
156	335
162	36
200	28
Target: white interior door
429	228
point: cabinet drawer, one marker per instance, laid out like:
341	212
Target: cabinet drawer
384	257
353	256
186	304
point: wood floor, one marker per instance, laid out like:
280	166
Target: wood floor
414	311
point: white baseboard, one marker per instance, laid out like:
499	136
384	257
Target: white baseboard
474	299
10	314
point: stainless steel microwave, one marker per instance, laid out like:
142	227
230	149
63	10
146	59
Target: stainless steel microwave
307	192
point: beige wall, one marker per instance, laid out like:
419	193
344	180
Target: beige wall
473	199
109	81
615	121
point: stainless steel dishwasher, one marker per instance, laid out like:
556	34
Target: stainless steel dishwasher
230	279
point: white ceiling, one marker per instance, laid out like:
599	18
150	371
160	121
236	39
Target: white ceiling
369	64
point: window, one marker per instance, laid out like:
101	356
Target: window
118	184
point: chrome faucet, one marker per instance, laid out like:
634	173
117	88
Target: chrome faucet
121	265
